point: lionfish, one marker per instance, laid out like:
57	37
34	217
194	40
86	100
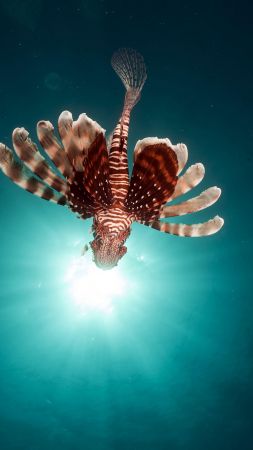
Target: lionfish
90	175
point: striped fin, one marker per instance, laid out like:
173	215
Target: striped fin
196	230
90	190
179	149
79	199
96	172
77	136
130	67
202	201
23	177
182	156
56	153
148	141
28	152
191	178
153	179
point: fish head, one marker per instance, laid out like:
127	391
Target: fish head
107	247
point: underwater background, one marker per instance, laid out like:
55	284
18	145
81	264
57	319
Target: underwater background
158	356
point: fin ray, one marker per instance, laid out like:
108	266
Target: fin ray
202	201
196	230
56	153
77	136
29	154
22	176
191	178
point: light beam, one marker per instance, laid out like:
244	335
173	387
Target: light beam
93	289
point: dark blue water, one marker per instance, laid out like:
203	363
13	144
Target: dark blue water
158	356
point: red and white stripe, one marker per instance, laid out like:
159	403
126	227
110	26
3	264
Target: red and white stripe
115	219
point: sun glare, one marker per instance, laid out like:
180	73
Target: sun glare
93	289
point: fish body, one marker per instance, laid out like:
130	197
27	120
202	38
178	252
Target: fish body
90	175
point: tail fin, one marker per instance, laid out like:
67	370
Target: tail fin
130	67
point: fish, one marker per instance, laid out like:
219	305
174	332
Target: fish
89	174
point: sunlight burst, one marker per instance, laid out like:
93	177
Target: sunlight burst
91	288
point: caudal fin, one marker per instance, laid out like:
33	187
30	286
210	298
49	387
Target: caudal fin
130	67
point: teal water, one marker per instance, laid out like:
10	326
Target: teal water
159	356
